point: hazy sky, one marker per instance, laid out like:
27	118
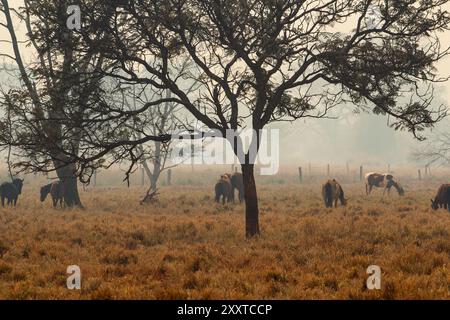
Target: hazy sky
322	140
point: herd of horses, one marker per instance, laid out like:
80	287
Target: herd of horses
227	185
332	191
11	191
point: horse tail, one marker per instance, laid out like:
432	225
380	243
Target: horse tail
327	193
342	196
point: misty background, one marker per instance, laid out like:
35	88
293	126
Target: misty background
347	136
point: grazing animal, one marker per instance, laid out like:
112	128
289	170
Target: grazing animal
385	181
11	191
237	183
56	190
442	199
332	192
223	189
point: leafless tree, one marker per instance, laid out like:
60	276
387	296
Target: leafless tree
155	154
436	150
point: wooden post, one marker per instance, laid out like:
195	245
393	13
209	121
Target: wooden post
348	168
420	175
300	175
169	177
389	168
95	178
142	176
361	173
328	170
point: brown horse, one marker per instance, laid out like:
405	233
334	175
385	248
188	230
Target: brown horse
332	192
223	189
237	183
385	181
56	190
442	199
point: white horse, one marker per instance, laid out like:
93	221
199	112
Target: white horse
385	180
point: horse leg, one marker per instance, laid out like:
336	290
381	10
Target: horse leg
217	197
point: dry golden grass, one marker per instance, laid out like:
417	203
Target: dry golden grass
187	247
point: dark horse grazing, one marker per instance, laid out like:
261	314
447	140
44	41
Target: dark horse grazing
442	199
223	189
385	181
11	191
237	183
56	190
332	192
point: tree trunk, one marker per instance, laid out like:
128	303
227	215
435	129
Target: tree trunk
67	176
251	201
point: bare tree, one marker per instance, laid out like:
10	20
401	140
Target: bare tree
436	149
155	154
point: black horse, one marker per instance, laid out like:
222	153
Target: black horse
11	191
56	190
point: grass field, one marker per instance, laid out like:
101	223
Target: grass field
187	247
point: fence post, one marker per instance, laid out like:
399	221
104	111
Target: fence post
328	170
348	168
361	173
95	178
420	174
300	175
389	168
142	177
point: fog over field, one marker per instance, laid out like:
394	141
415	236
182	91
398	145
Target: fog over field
114	184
